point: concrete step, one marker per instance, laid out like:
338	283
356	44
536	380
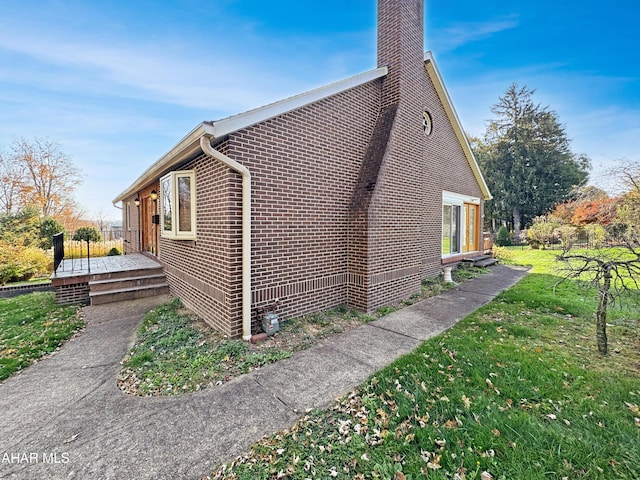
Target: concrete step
123	283
98	277
487	262
112	296
480	261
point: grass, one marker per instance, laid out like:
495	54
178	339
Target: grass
516	390
174	353
32	326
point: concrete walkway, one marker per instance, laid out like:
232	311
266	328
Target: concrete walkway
65	418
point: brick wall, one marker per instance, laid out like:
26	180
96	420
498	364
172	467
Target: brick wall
346	196
305	166
206	273
71	290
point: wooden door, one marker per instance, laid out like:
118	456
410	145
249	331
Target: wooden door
471	219
149	232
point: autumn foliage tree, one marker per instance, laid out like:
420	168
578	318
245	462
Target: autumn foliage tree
602	211
37	173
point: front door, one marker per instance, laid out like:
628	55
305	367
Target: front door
471	218
148	210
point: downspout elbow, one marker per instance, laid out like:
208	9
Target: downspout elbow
205	143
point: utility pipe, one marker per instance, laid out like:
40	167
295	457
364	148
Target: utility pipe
205	143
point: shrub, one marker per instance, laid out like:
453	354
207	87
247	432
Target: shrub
33	262
21	263
9	263
503	254
540	233
114	252
503	238
567	235
597	234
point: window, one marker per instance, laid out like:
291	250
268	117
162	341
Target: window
460	224
177	204
450	229
427	122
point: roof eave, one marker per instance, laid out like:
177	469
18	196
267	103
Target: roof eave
187	147
434	74
234	123
190	145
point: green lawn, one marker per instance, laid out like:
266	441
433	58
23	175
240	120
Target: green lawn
32	326
516	390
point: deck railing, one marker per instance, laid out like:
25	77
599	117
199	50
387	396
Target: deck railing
77	253
58	250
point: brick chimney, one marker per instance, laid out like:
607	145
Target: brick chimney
400	46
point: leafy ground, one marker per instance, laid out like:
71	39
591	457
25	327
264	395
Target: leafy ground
516	390
32	326
176	353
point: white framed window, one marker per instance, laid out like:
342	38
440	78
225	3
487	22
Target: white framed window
178	205
460	224
451	214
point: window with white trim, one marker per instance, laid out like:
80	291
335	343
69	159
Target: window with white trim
450	229
178	205
460	224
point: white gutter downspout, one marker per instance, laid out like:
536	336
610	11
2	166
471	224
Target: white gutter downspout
205	143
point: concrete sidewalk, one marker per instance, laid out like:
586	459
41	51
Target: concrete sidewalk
65	417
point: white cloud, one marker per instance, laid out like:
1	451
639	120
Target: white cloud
460	34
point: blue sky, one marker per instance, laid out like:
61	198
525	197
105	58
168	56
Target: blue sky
118	83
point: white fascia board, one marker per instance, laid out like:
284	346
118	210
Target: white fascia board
220	128
189	145
225	126
458	199
457	124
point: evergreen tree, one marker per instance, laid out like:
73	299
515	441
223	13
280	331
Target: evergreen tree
527	160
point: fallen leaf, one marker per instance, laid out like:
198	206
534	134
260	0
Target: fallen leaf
633	407
486	476
466	401
496	432
451	424
551	416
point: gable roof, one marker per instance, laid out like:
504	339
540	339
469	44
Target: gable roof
189	146
434	75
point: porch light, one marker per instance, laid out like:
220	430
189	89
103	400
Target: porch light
137	201
154	195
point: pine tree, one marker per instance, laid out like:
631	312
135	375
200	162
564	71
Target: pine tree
527	160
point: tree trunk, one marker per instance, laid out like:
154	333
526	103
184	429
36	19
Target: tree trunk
517	223
601	315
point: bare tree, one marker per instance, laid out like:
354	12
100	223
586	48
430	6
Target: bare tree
50	177
615	272
628	175
11	181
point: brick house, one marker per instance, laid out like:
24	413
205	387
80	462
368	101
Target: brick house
349	194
